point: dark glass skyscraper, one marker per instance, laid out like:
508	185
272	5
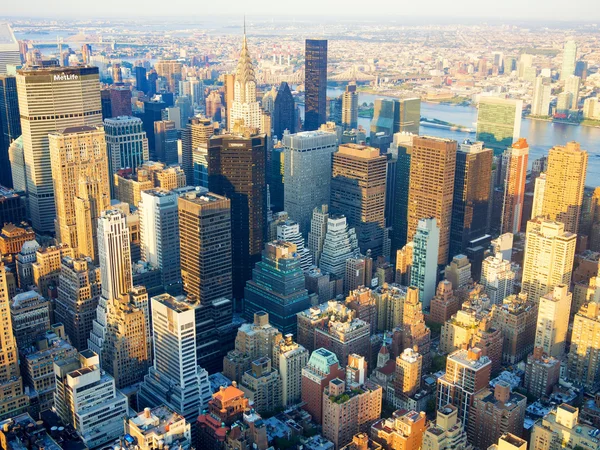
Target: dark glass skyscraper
277	287
10	125
141	83
471	195
315	84
152	113
402	184
236	169
283	113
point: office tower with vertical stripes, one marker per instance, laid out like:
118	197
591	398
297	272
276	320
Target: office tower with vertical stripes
10	125
126	143
499	122
514	160
52	99
315	83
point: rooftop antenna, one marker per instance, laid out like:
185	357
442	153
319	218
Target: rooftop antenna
59	42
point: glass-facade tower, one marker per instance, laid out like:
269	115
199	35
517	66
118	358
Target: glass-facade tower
315	84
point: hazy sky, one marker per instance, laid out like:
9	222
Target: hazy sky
519	10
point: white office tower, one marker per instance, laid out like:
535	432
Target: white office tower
423	273
9	48
569	60
538	196
572	86
340	244
553	321
159	234
17	165
289	231
86	398
497	278
540	105
245	107
307	174
52	99
175	379
318	229
126	144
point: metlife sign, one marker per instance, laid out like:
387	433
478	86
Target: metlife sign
66	77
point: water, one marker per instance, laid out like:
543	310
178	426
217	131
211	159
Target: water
540	135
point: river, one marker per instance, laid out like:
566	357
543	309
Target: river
540	135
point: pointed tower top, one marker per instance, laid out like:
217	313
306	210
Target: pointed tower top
245	70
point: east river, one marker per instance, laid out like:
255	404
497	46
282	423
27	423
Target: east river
540	135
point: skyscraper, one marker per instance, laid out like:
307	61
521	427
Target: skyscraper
284	112
9	48
81	185
236	169
175	379
290	358
194	150
548	260
159	235
10	125
553	321
205	245
141	82
315	83
400	194
572	87
432	169
126	143
12	400
425	259
41	116
471	195
497	278
350	107
340	243
540	105
515	160
499	122
277	287
358	191
583	361
395	116
569	59
307	162
538	196
245	107
165	142
565	181
318	229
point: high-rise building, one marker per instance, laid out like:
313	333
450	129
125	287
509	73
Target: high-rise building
323	366
540	105
358	191
315	83
205	246
423	273
467	374
538	196
409	369
194	149
236	169
494	414
572	88
400	194
81	186
120	101
348	410
175	379
10	125
565	182
340	243
458	272
448	431
471	195
171	71
405	429
165	142
17	165
261	384
126	143
307	162
432	169
12	399
289	358
153	111
284	112
395	116
499	122
141	82
82	391
514	160
318	230
148	427
560	426
9	48
569	59
62	85
277	287
583	363
541	373
79	290
497	278
159	234
245	107
548	259
445	303
350	107
516	318
289	231
30	318
553	321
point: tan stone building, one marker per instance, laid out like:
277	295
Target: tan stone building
560	429
584	355
447	433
